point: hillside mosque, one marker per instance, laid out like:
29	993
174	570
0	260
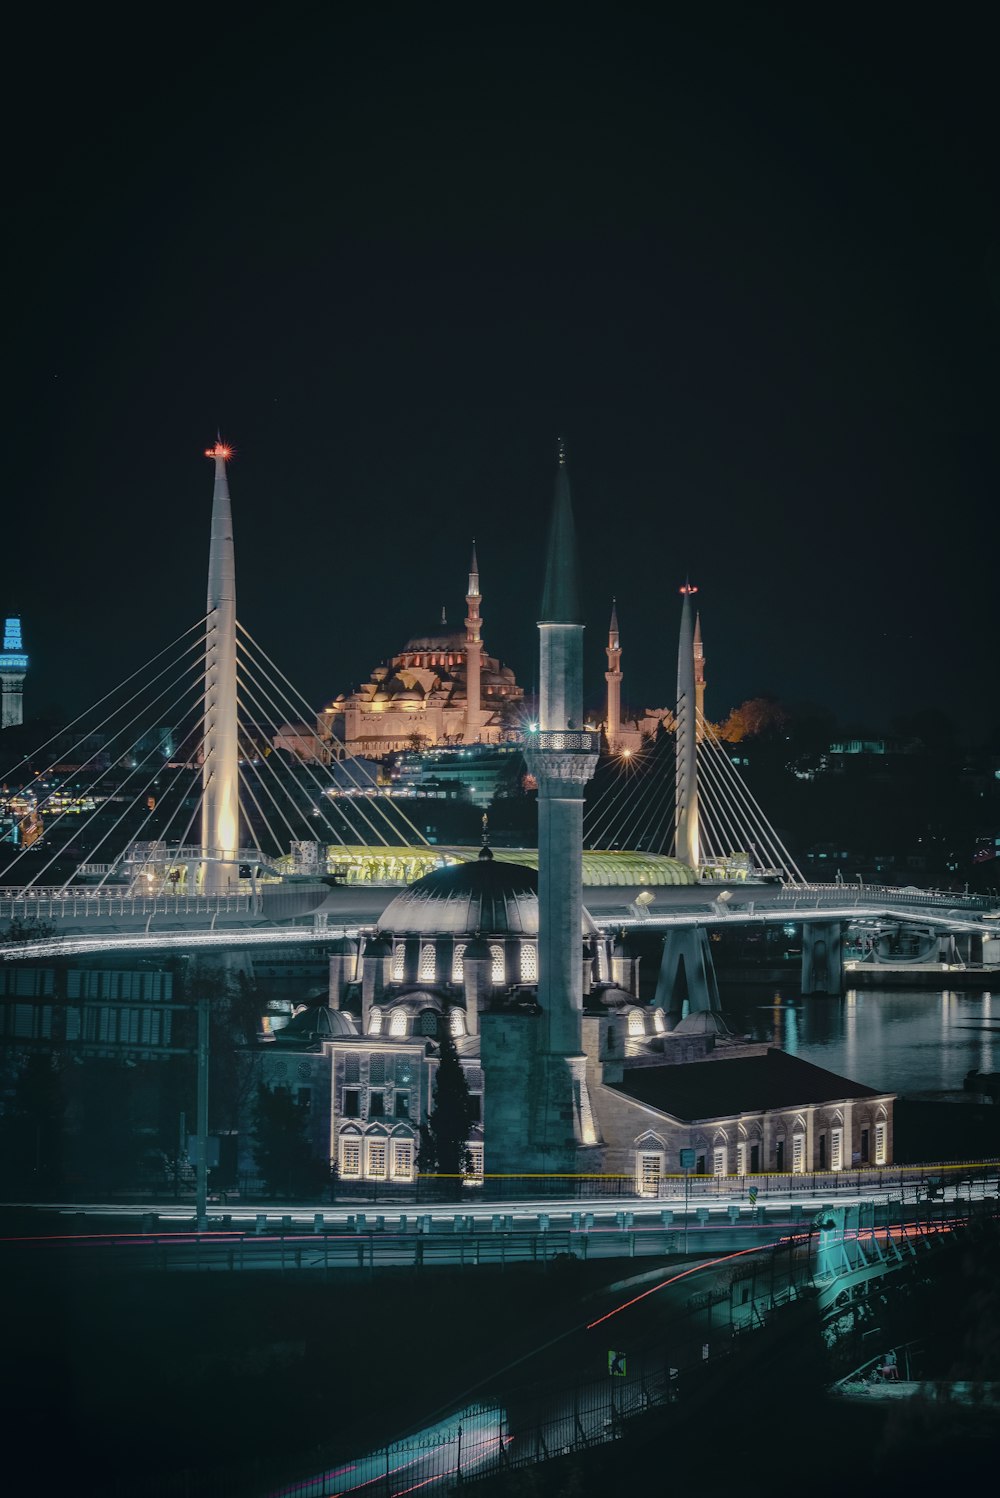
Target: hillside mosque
569	1071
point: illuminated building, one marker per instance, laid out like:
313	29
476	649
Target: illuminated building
440	689
570	1071
13	668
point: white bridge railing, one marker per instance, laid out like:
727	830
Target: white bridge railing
867	894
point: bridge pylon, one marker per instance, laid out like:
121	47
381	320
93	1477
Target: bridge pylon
220	814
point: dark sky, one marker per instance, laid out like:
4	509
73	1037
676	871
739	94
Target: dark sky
747	263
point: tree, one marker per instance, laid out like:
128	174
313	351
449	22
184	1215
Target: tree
281	1145
756	718
444	1138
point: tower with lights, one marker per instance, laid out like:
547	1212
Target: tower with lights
613	677
473	653
687	843
13	669
220	816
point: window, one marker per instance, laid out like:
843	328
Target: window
352	1068
352	1102
476	1107
425	972
836	1149
475	1174
497	971
880	1143
377	1159
375	1022
865	1151
456	1023
798	1153
402	1160
822	1152
428	1022
741	1158
404	1071
649	1169
398	961
376	1068
529	962
779	1155
719	1160
402	1105
636	1022
456	962
350	1157
376	1105
303	1097
659	1020
397	1023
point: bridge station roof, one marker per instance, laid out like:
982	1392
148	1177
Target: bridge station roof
601	867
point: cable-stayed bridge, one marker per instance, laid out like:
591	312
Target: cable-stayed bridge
204	831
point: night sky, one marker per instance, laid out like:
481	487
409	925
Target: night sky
746	263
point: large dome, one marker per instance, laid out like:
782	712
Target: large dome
466	899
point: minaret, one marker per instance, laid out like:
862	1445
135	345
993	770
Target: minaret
686	840
699	679
220	816
562	759
473	653
613	677
13	668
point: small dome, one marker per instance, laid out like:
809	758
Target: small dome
442	640
487	898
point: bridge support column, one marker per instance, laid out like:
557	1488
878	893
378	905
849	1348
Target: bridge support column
687	983
822	957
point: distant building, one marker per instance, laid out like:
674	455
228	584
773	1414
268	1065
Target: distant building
440	689
13	669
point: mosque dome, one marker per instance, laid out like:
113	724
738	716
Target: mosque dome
467	899
442	639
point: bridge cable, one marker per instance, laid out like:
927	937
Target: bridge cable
124	683
348	760
96	754
322	792
394	830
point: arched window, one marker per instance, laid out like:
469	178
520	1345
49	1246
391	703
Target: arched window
497	972
397	1023
602	962
375	1022
425	972
398	958
529	962
636	1022
456	1023
456	962
428	1022
659	1020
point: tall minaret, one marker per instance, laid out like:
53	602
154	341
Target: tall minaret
562	759
613	677
699	678
220	814
473	653
686	840
13	668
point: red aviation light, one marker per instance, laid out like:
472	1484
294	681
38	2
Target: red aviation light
220	450
688	588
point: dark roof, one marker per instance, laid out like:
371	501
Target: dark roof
744	1084
561	595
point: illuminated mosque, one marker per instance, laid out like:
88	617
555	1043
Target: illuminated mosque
440	689
569	1070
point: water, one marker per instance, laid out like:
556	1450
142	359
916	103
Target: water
919	1043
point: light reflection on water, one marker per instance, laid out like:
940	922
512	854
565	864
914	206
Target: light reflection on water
910	1041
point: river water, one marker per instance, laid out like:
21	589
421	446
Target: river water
918	1043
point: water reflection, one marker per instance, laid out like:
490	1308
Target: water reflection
916	1042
